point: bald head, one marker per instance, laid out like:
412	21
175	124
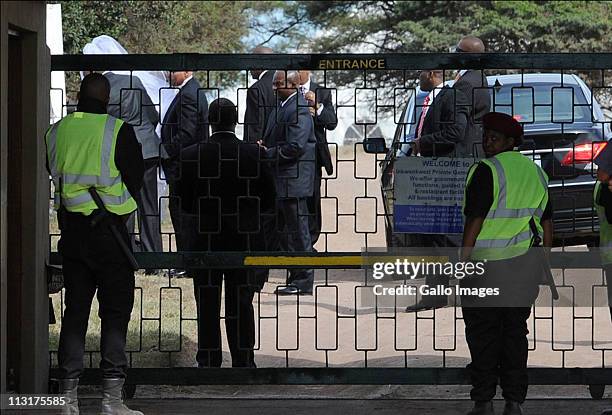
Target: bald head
262	49
471	44
95	86
259	50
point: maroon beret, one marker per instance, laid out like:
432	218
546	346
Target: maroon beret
503	123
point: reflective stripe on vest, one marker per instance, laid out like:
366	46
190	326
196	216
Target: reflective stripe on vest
73	177
506	232
605	228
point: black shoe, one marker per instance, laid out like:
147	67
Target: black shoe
513	408
426	305
292	290
482	408
177	273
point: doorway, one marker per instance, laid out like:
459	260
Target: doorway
14	210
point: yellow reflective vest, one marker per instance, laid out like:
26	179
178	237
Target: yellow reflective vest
605	228
81	154
520	193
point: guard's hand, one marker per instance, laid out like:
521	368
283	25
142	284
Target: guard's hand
312	110
416	147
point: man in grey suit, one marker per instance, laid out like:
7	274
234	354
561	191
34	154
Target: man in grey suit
130	102
290	146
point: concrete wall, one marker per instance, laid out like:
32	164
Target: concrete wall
27	18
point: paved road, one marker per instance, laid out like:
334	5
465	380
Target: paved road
352	407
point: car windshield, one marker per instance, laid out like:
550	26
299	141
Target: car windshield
542	102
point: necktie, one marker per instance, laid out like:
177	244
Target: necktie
303	90
423	114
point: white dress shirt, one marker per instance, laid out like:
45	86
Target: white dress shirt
288	98
432	95
306	87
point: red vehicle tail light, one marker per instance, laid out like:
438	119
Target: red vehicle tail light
583	153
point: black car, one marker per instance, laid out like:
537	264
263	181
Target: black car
563	133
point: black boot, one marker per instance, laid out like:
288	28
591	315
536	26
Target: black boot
69	388
513	408
482	408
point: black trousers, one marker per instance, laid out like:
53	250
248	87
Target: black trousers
497	339
239	317
92	261
148	211
295	237
185	225
608	270
314	209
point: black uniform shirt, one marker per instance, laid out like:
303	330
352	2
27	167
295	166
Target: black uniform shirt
128	156
479	195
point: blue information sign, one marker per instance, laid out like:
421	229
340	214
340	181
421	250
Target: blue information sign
429	194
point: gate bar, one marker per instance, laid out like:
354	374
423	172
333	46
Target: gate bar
379	61
337	376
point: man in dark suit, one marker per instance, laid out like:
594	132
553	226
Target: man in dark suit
185	123
260	101
440	132
324	116
441	127
130	102
473	84
290	144
227	186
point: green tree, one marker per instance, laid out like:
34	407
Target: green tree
433	26
158	26
164	27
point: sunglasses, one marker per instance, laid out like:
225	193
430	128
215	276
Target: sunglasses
455	49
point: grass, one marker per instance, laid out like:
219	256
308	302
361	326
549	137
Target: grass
154	328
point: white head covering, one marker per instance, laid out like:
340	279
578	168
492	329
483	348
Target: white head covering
151	80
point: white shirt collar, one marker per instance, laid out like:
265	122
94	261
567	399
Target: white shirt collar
306	86
185	81
288	98
262	74
434	92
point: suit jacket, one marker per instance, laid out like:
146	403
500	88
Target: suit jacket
130	102
185	123
226	184
473	84
443	132
260	103
327	120
291	143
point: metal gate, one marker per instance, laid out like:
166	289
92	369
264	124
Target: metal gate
331	338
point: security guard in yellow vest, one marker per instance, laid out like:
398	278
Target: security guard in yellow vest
90	149
602	199
506	204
